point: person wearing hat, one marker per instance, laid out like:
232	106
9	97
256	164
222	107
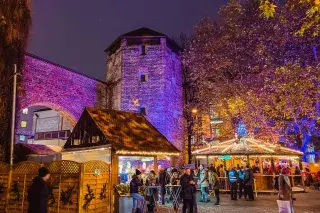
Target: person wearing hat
38	194
134	191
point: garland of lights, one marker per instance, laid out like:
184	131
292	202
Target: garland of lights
123	152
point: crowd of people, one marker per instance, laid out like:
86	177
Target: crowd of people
206	179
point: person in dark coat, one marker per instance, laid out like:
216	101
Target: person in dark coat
163	179
248	181
233	180
38	194
187	191
134	191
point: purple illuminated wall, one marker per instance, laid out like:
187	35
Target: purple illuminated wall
50	85
161	94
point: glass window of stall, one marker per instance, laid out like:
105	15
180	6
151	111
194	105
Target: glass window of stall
128	165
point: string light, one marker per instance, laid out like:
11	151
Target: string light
124	152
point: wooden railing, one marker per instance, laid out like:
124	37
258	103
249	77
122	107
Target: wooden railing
265	183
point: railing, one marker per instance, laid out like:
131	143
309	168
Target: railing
62	134
266	183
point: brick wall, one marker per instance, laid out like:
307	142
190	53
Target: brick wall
161	94
65	91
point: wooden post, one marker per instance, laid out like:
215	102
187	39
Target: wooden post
114	180
8	189
23	192
248	160
207	158
80	196
260	165
155	163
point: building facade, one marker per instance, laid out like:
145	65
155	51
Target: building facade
143	75
144	69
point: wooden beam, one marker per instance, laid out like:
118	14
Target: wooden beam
114	179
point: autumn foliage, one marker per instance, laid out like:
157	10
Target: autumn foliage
255	66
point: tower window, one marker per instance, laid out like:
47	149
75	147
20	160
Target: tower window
23	124
25	111
142	110
143	50
22	138
143	78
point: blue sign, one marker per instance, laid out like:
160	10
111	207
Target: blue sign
224	157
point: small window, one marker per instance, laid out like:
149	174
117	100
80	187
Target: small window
143	78
143	50
25	111
23	124
22	137
142	110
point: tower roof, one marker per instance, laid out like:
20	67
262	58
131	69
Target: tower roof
141	32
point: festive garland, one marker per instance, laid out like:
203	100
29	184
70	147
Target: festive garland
15	190
103	193
66	196
1	188
88	198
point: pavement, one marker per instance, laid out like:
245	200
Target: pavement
308	202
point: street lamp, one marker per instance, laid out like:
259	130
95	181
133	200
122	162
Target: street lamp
13	116
193	112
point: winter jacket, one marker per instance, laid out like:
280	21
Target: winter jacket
203	178
233	176
241	175
134	184
164	178
187	188
248	177
284	188
151	180
38	196
214	181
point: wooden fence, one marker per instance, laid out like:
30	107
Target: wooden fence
265	183
76	188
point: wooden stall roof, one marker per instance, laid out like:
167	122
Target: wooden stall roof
128	133
38	149
246	146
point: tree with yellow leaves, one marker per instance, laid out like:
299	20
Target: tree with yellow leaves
231	58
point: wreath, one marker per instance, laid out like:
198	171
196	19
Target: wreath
103	193
2	188
15	190
66	196
88	198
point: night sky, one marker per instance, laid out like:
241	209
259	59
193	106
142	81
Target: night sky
74	33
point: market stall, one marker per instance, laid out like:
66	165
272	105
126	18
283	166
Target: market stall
264	157
126	140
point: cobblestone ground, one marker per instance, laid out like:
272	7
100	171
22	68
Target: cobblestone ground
306	203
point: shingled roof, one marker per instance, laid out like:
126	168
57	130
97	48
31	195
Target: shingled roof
124	131
248	146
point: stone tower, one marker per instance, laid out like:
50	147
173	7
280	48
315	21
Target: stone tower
144	73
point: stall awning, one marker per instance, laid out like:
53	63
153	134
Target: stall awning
246	146
127	133
38	149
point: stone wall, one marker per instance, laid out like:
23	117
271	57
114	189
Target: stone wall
49	85
160	95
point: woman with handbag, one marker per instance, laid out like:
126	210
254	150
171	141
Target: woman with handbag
285	192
